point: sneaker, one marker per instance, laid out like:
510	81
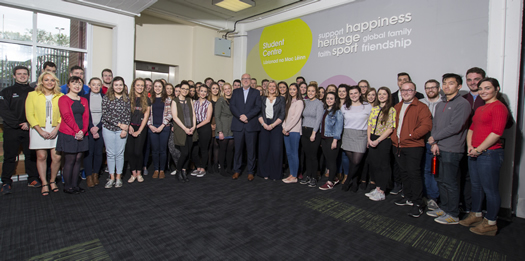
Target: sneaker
371	193
397	188
35	184
195	172
312	183
415	211
403	202
145	172
173	173
432	205
305	180
6	189
336	180
436	213
140	178
447	219
327	186
110	183
132	179
378	196
201	174
118	183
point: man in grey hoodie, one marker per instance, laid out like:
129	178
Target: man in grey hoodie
449	130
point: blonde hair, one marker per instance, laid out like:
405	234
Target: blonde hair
40	85
223	94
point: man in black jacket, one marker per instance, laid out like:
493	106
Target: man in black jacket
403	77
16	129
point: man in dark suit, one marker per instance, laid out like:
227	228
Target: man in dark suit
403	77
245	106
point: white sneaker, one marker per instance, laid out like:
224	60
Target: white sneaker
436	213
371	193
110	183
447	220
201	174
378	196
432	205
173	173
195	172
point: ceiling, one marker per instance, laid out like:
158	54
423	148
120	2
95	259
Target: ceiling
201	12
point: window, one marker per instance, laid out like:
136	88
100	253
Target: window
30	39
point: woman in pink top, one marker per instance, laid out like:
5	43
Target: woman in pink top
292	130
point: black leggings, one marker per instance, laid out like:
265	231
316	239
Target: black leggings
135	149
200	149
355	159
72	162
226	153
330	156
310	151
185	152
213	151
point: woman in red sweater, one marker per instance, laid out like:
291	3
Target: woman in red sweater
74	111
485	158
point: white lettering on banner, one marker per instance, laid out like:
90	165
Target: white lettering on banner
346	40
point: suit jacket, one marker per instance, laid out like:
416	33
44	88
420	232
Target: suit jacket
395	97
279	106
251	108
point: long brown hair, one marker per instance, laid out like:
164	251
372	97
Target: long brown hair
163	93
388	104
289	97
143	97
111	91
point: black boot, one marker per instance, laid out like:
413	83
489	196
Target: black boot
180	177
184	176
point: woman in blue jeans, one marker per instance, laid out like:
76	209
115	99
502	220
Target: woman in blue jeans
330	131
292	130
116	115
485	158
159	126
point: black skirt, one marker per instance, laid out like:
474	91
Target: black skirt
68	144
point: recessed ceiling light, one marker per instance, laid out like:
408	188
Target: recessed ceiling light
234	5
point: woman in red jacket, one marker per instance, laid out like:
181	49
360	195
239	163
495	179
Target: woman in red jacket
74	111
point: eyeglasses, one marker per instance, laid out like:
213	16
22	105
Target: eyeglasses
430	88
246	78
409	90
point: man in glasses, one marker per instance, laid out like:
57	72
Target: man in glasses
432	90
413	122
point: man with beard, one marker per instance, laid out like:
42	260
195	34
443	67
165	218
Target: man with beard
431	190
107	78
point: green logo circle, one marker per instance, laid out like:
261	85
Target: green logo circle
284	48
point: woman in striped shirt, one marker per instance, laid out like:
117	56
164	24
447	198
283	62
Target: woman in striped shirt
203	113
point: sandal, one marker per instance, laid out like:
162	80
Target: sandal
55	189
45	193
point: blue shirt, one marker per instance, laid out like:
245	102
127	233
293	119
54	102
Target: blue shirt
65	89
246	91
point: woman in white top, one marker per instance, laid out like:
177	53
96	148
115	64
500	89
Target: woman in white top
356	114
43	116
271	136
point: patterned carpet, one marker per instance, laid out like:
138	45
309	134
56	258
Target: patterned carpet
217	218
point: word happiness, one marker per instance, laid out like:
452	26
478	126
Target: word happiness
345	41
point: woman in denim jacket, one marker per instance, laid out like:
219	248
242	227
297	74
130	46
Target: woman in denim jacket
330	130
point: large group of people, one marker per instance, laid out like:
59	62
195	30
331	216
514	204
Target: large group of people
437	153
